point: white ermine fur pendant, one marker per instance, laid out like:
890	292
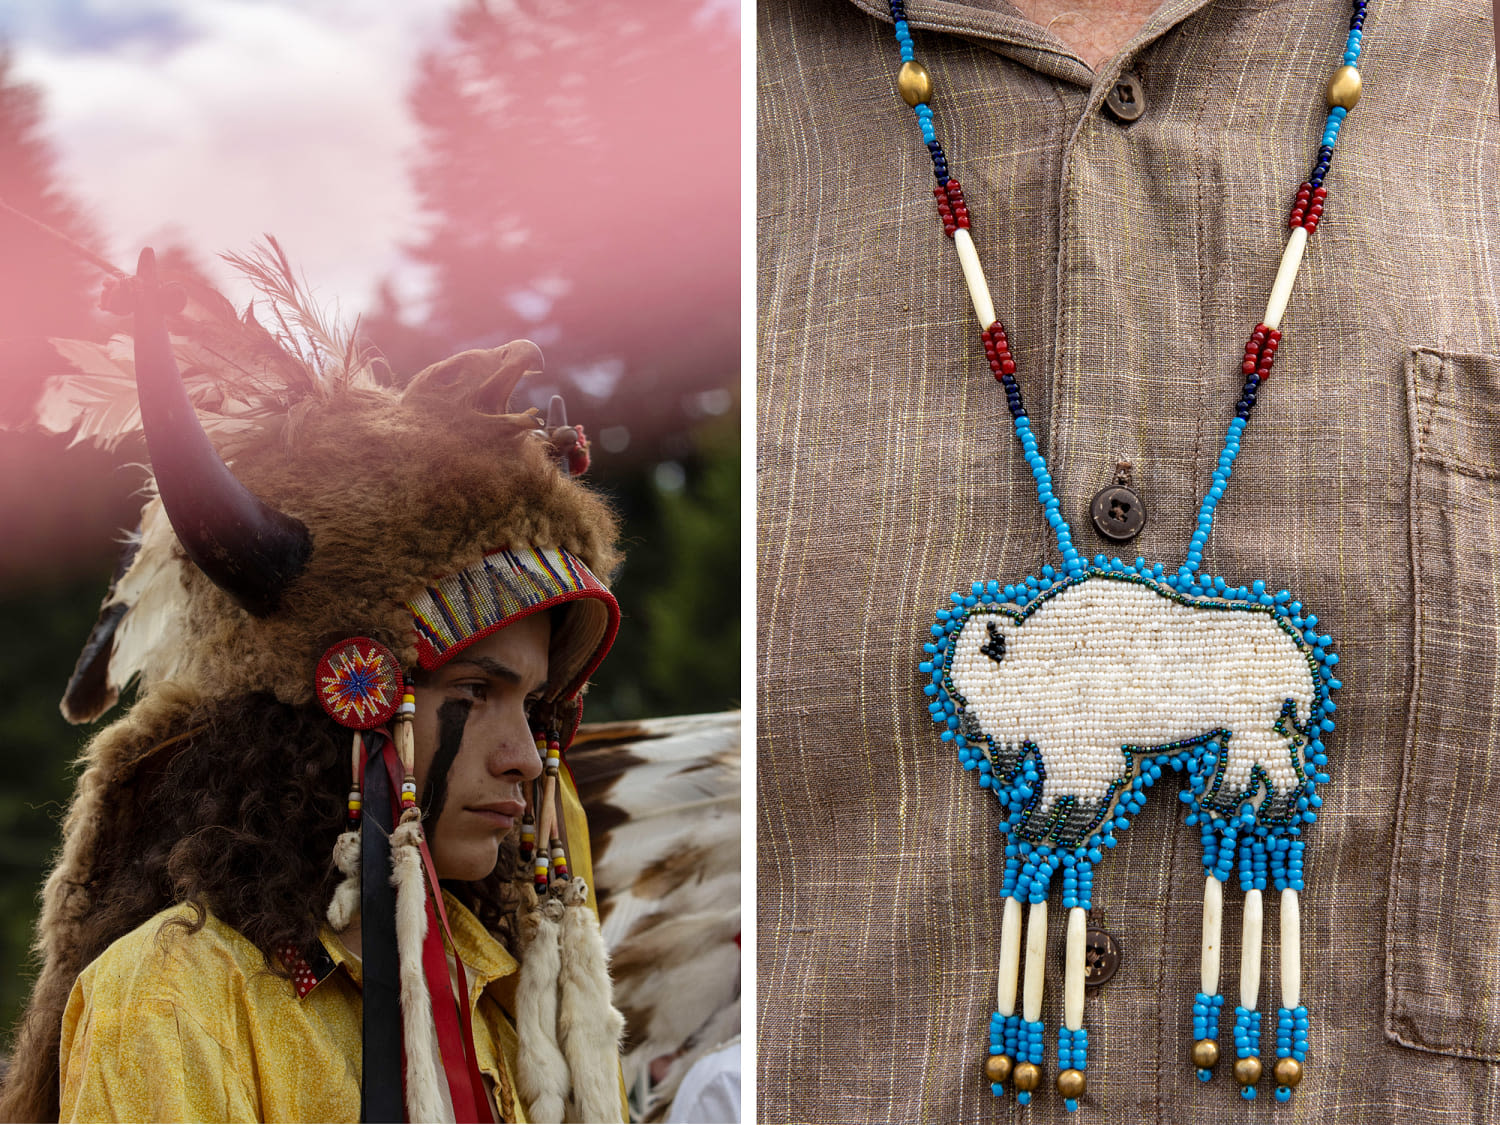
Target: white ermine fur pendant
588	1024
343	908
541	1069
424	1099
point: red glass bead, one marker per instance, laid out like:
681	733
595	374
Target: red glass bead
1008	366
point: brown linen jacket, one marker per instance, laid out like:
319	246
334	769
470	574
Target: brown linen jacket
1129	263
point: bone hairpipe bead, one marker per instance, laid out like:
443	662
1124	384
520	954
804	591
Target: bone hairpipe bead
1010	958
1286	277
979	289
1250	950
1213	926
1036	962
1291	949
1074	969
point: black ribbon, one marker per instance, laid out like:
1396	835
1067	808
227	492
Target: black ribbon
380	1098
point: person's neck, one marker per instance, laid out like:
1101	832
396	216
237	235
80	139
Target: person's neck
1094	29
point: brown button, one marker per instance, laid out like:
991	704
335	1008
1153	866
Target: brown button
1126	99
1118	513
1101	957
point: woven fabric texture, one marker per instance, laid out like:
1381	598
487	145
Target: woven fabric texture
1129	264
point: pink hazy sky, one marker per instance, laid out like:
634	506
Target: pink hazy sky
209	122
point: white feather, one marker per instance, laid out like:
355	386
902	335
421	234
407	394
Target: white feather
145	642
667	879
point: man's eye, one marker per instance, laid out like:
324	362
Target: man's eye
474	689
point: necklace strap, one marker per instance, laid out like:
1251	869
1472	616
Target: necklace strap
915	86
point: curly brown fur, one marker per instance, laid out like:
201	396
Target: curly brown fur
230	805
385	532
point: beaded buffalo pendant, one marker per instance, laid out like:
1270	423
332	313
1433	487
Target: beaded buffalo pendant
1071	693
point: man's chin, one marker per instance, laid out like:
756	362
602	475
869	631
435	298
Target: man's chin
470	865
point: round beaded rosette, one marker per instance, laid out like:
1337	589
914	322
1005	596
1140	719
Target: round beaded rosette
359	683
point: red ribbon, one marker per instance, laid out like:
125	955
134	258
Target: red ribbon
455	1032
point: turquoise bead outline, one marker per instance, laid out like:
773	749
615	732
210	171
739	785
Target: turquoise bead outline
1208	803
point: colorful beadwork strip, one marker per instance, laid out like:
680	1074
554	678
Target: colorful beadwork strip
506	585
1071	693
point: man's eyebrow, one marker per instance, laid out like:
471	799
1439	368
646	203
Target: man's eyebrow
490	667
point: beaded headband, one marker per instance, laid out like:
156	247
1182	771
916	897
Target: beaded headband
510	584
1070	693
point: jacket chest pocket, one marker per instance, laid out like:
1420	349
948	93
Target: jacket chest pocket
1443	963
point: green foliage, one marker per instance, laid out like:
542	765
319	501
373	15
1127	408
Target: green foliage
45	629
678	650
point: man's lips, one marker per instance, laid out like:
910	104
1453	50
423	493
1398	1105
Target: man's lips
501	814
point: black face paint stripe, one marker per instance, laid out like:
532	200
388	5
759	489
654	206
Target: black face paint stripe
453	717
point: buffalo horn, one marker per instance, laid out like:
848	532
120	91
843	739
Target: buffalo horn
247	548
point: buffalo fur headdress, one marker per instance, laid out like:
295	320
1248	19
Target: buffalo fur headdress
297	499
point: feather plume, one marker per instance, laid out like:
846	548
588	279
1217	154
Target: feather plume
244	380
662	797
334	356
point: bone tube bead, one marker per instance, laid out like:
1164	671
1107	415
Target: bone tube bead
1213	927
1286	277
1010	958
979	289
1074	967
1291	949
1036	962
1250	950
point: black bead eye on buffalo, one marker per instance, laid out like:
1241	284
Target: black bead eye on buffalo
994	648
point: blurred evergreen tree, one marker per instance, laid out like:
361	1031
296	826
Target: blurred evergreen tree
45	290
565	202
45	629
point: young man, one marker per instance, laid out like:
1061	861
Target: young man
355	650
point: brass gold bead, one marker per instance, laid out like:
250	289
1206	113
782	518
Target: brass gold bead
915	84
1247	1071
1344	88
1027	1077
1205	1053
1288	1072
1071	1083
997	1067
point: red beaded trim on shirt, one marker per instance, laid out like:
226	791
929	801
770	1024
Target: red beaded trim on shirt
306	976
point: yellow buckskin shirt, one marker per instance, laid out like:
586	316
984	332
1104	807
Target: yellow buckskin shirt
167	1025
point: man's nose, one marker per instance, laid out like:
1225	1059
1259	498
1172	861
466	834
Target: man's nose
514	748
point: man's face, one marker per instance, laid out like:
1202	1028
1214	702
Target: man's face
474	747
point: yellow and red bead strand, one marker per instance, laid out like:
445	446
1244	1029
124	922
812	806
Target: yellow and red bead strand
559	852
528	833
406	750
541	864
356	793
